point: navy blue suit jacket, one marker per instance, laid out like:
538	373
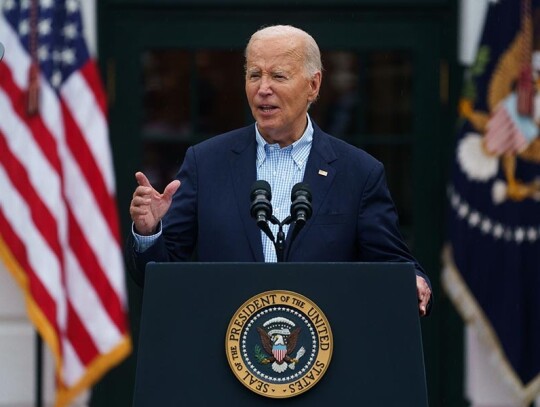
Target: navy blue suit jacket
354	218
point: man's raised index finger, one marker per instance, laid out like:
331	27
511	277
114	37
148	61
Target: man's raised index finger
142	180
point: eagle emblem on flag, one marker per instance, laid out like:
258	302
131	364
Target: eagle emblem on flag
504	126
492	257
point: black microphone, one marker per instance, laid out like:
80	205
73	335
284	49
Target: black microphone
301	208
261	208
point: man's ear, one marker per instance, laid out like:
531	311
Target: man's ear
315	86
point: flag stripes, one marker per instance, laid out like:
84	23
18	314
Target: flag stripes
59	231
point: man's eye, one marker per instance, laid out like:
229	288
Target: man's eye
254	75
280	77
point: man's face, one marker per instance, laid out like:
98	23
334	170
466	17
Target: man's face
277	88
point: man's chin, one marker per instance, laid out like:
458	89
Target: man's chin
266	120
267	128
273	137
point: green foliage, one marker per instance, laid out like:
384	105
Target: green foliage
469	90
260	355
477	69
482	59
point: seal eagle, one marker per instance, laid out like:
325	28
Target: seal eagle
280	347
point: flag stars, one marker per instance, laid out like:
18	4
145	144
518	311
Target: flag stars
68	56
45	4
485	226
72	6
56	79
477	220
44	27
9	5
520	235
498	231
463	210
70	31
455	201
24	28
474	219
57	56
43	53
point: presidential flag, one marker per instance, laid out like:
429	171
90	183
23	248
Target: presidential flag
492	270
59	230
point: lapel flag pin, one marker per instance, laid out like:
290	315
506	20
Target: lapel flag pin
323	173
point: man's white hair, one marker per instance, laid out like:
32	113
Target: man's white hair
311	53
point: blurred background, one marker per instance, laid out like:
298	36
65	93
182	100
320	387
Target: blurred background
172	75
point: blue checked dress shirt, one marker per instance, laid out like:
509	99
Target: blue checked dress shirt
282	168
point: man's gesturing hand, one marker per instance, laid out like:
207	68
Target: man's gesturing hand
148	206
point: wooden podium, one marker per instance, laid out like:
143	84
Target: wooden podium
372	310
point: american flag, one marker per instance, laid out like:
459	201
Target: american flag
59	232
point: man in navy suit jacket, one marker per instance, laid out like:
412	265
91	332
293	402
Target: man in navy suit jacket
354	218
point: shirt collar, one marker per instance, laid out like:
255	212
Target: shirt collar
298	148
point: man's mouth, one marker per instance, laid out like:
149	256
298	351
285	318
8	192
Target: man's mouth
267	108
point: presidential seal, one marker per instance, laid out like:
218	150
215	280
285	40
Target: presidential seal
279	344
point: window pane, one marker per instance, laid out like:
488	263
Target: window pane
397	164
192	94
166	97
220	96
188	96
365	94
337	110
388	93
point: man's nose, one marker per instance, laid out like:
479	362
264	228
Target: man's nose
265	87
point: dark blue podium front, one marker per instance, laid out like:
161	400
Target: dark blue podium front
372	309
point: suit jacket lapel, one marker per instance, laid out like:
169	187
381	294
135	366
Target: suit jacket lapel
319	175
244	173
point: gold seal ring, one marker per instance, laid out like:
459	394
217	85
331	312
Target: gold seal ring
279	344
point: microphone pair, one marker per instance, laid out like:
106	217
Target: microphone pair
261	207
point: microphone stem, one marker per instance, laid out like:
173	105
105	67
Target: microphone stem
280	244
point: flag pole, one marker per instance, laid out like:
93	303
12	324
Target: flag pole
31	109
39	370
